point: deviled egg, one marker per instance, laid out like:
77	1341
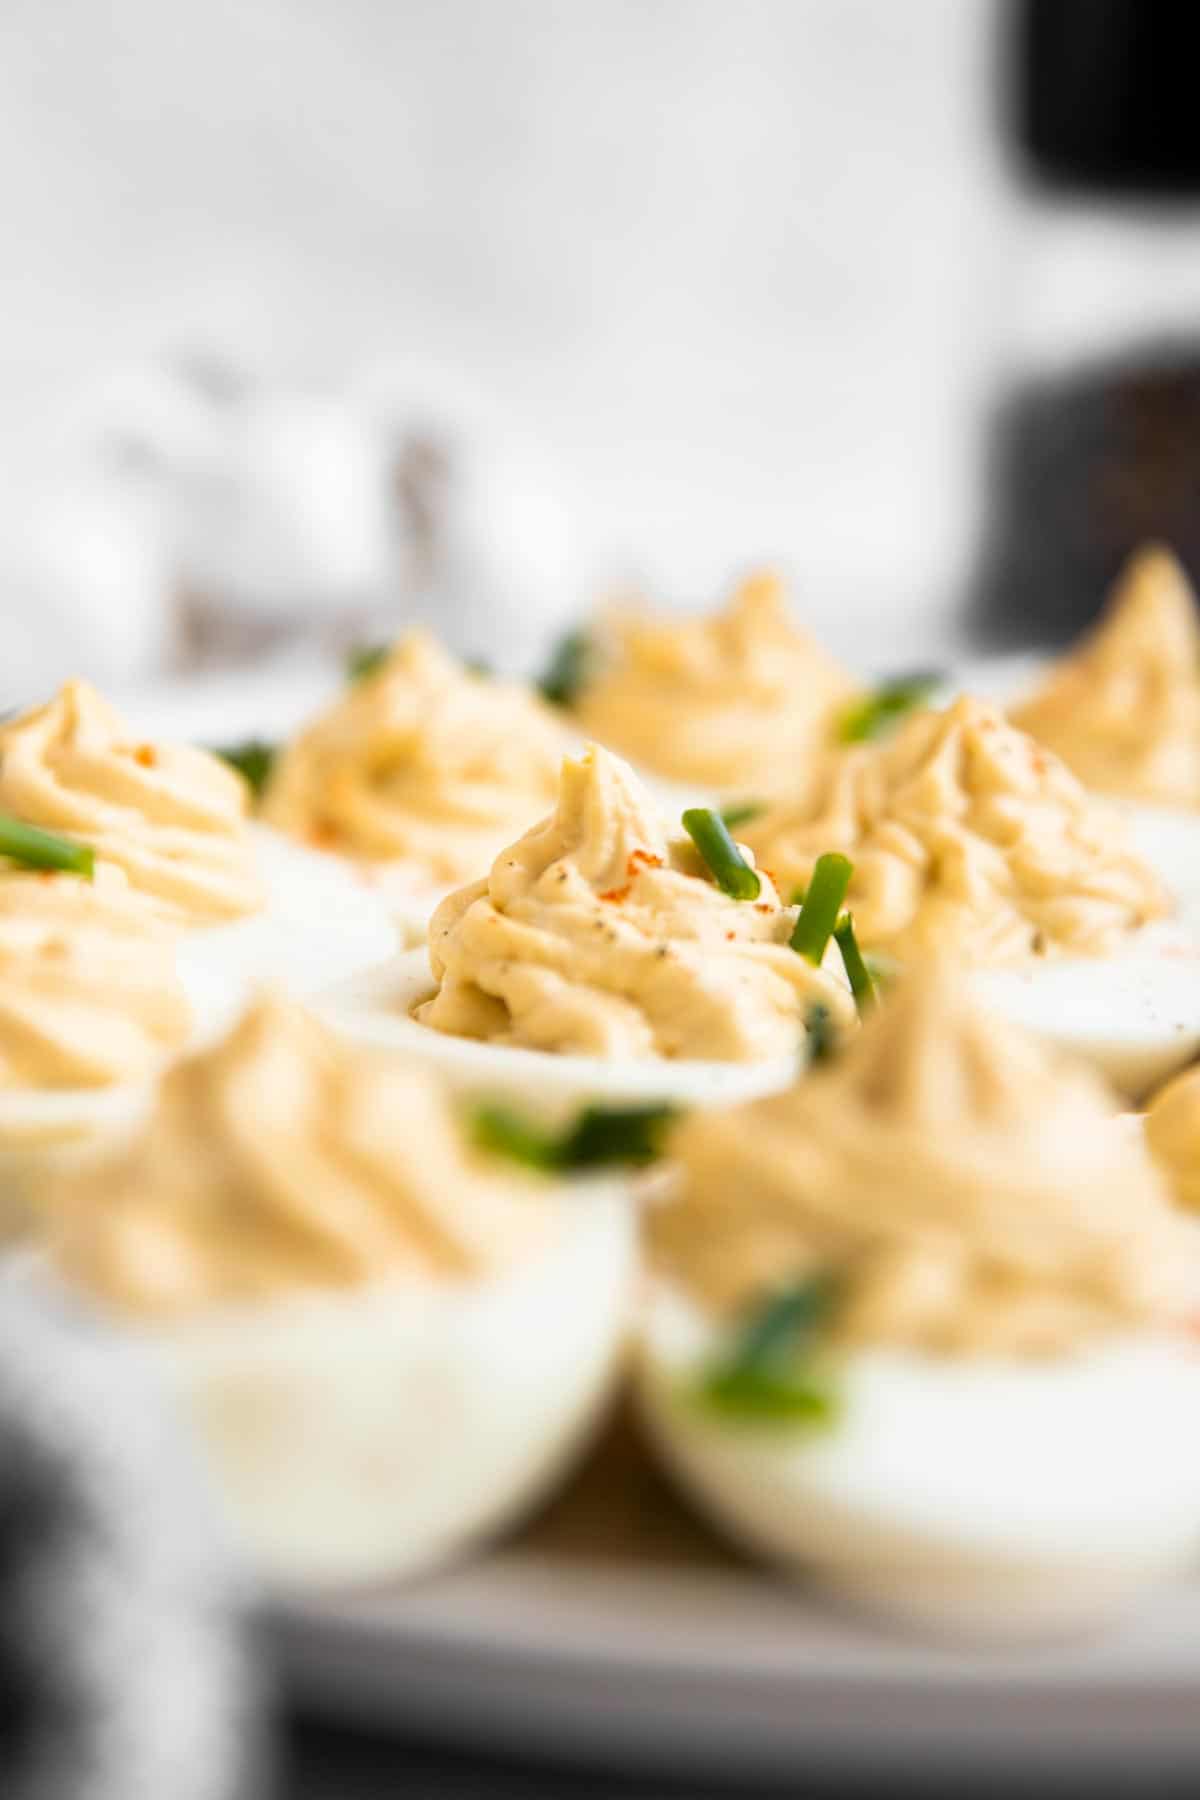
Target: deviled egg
970	839
418	775
602	957
1122	710
91	1006
921	1327
389	1342
730	704
1172	1129
172	818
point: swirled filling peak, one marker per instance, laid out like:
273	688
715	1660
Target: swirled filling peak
422	762
966	836
600	933
172	817
281	1160
728	701
89	997
969	1192
1123	708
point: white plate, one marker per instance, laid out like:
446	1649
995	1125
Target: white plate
616	1631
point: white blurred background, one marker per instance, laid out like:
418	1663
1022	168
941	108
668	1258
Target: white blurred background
332	311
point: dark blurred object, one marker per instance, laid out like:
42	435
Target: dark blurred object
1102	95
1084	467
125	1673
1100	451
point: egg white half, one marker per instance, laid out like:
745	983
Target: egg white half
1135	1015
320	923
380	1432
985	1497
406	896
1168	838
376	1006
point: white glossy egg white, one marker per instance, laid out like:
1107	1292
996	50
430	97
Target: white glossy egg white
1134	1015
321	922
990	1498
378	1433
1168	838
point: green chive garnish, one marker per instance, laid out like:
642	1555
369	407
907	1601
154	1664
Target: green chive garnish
857	972
767	1373
36	849
821	906
568	669
725	862
505	1133
886	705
742	813
365	660
599	1136
629	1134
254	760
766	1397
787	1319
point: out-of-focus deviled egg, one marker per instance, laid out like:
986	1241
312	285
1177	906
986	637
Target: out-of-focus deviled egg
602	958
389	1342
91	1006
1122	710
729	704
418	774
969	839
924	1327
173	819
1172	1128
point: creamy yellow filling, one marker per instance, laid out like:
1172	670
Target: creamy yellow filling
284	1160
598	933
967	837
970	1193
422	763
735	700
170	816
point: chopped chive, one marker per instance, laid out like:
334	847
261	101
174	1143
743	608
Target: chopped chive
630	1134
857	972
568	669
600	1135
36	849
792	1315
819	1034
821	906
767	1374
768	1397
873	715
254	760
364	660
742	812
505	1133
725	862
